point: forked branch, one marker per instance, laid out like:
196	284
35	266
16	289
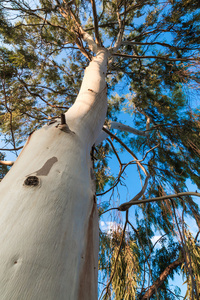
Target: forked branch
127	149
121	29
127	205
81	33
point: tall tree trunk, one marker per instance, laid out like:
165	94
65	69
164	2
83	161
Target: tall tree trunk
48	214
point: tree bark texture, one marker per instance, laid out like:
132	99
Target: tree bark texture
48	215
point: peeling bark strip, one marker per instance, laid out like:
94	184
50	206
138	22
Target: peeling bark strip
161	278
88	271
44	171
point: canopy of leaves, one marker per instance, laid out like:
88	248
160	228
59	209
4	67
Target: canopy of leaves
153	75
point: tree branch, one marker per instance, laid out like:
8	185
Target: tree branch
38	95
121	171
117	125
149	293
96	27
127	149
127	205
121	30
156	57
86	36
14	149
153	43
6	163
122	127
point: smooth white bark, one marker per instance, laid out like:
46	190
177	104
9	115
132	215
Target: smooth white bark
48	214
89	111
117	125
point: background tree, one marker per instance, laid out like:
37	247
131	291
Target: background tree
153	73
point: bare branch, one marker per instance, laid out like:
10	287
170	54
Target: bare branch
121	171
169	269
117	125
14	149
114	150
133	7
127	149
197	236
121	30
122	127
108	24
105	211
127	205
96	27
38	95
153	43
86	36
156	57
6	163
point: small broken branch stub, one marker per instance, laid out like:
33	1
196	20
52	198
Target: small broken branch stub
63	121
31	181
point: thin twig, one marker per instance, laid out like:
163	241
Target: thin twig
127	149
128	204
153	43
155	57
14	149
105	211
115	151
121	171
38	95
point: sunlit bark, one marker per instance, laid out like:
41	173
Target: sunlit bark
48	214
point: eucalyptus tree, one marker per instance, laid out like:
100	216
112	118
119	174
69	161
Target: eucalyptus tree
141	58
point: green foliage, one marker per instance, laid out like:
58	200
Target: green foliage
191	267
3	168
123	264
42	61
127	272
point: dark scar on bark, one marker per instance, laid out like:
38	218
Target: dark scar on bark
31	180
44	171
